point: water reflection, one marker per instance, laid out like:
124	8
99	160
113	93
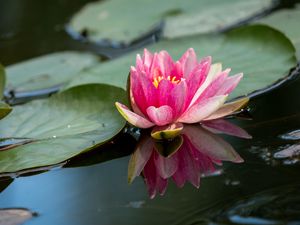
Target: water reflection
197	152
273	206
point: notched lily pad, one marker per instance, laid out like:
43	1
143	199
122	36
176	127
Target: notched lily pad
62	126
114	21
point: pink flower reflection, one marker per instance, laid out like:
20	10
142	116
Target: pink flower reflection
197	154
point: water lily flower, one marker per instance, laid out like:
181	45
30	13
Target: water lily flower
197	155
167	93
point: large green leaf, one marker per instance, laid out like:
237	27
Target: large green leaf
250	50
60	127
4	108
125	21
287	21
47	71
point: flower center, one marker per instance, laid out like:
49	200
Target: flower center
158	79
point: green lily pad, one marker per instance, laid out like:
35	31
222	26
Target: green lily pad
239	49
61	127
4	108
287	21
126	21
47	71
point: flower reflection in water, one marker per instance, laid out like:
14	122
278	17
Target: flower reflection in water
193	154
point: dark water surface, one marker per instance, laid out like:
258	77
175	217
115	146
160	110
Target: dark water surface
93	188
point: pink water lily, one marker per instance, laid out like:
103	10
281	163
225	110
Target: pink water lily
164	92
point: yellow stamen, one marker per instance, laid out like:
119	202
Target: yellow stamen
158	79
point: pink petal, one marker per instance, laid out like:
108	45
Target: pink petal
214	87
154	70
143	91
139	158
187	168
133	118
214	72
223	126
197	78
134	106
166	63
202	110
150	176
147	59
160	116
228	108
210	144
162	65
177	70
173	95
139	64
203	162
229	84
152	179
188	62
166	167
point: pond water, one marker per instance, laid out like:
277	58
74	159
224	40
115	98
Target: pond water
93	188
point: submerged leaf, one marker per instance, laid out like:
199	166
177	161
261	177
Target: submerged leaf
62	126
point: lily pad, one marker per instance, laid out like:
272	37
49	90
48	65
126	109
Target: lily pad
61	127
4	108
120	21
239	49
287	21
47	71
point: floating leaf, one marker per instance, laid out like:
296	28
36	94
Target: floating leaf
61	127
212	16
47	71
287	21
125	21
4	108
239	49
